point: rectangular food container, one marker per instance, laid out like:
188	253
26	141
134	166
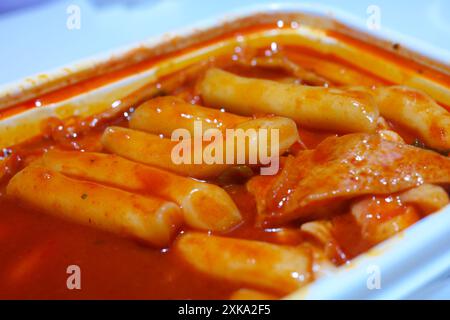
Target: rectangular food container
404	263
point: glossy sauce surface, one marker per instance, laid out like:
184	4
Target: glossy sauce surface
36	249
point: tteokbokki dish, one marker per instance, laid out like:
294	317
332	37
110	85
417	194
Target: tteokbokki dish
360	160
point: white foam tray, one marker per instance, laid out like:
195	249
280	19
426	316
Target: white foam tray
406	262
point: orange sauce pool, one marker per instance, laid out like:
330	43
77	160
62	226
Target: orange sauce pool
36	249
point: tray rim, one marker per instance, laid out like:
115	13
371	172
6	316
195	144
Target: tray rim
389	255
42	82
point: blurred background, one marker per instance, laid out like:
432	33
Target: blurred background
35	37
40	35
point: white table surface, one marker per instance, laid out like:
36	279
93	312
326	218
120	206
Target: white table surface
36	39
